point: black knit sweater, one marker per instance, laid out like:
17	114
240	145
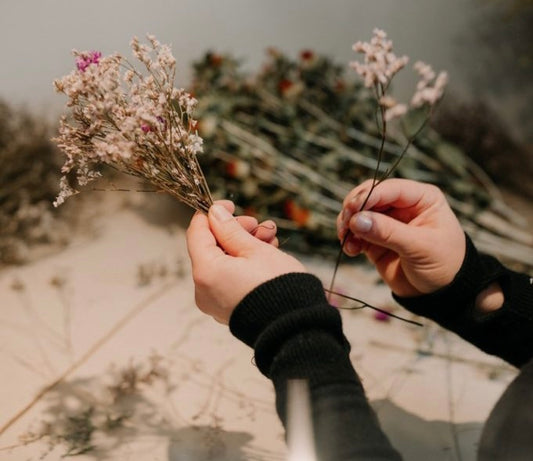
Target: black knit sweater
296	334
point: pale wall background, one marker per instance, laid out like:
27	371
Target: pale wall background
38	35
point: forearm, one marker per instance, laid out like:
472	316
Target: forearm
296	334
486	304
345	426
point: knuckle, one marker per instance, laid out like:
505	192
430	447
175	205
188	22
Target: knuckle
434	191
232	236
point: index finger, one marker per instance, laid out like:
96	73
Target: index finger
393	193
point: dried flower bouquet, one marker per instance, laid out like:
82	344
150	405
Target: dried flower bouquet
138	123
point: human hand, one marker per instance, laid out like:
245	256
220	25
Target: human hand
265	231
408	231
228	262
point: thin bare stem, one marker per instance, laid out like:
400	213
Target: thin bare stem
375	181
365	304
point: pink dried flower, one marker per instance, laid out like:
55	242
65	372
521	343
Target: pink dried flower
84	59
381	316
139	124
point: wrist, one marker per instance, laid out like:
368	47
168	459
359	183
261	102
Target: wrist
490	299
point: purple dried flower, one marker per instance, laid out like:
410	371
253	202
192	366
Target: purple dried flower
146	128
381	316
85	59
117	115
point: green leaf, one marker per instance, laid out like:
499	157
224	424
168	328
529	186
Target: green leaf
452	157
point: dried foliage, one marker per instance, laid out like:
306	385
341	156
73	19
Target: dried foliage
292	139
28	184
482	135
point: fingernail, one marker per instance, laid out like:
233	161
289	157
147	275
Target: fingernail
363	222
350	248
342	232
346	221
220	213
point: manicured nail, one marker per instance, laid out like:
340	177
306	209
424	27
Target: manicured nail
363	222
350	248
220	213
342	232
343	214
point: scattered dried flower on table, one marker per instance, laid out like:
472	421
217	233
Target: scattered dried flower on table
135	122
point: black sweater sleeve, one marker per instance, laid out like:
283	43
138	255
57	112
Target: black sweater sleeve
506	332
296	334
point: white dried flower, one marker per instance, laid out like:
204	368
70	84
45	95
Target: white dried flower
430	87
139	124
387	101
65	191
380	63
395	111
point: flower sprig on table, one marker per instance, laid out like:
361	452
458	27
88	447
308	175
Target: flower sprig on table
136	122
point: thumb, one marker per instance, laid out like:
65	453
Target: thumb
384	231
229	233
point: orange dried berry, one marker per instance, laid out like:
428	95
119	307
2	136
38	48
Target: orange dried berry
250	211
237	168
297	214
139	163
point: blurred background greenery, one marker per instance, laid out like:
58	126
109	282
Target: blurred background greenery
478	147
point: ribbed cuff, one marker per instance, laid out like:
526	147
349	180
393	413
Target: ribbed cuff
272	299
506	332
281	310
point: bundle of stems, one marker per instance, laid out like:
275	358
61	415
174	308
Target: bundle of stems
133	120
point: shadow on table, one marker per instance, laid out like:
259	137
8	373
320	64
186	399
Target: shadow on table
203	443
419	439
